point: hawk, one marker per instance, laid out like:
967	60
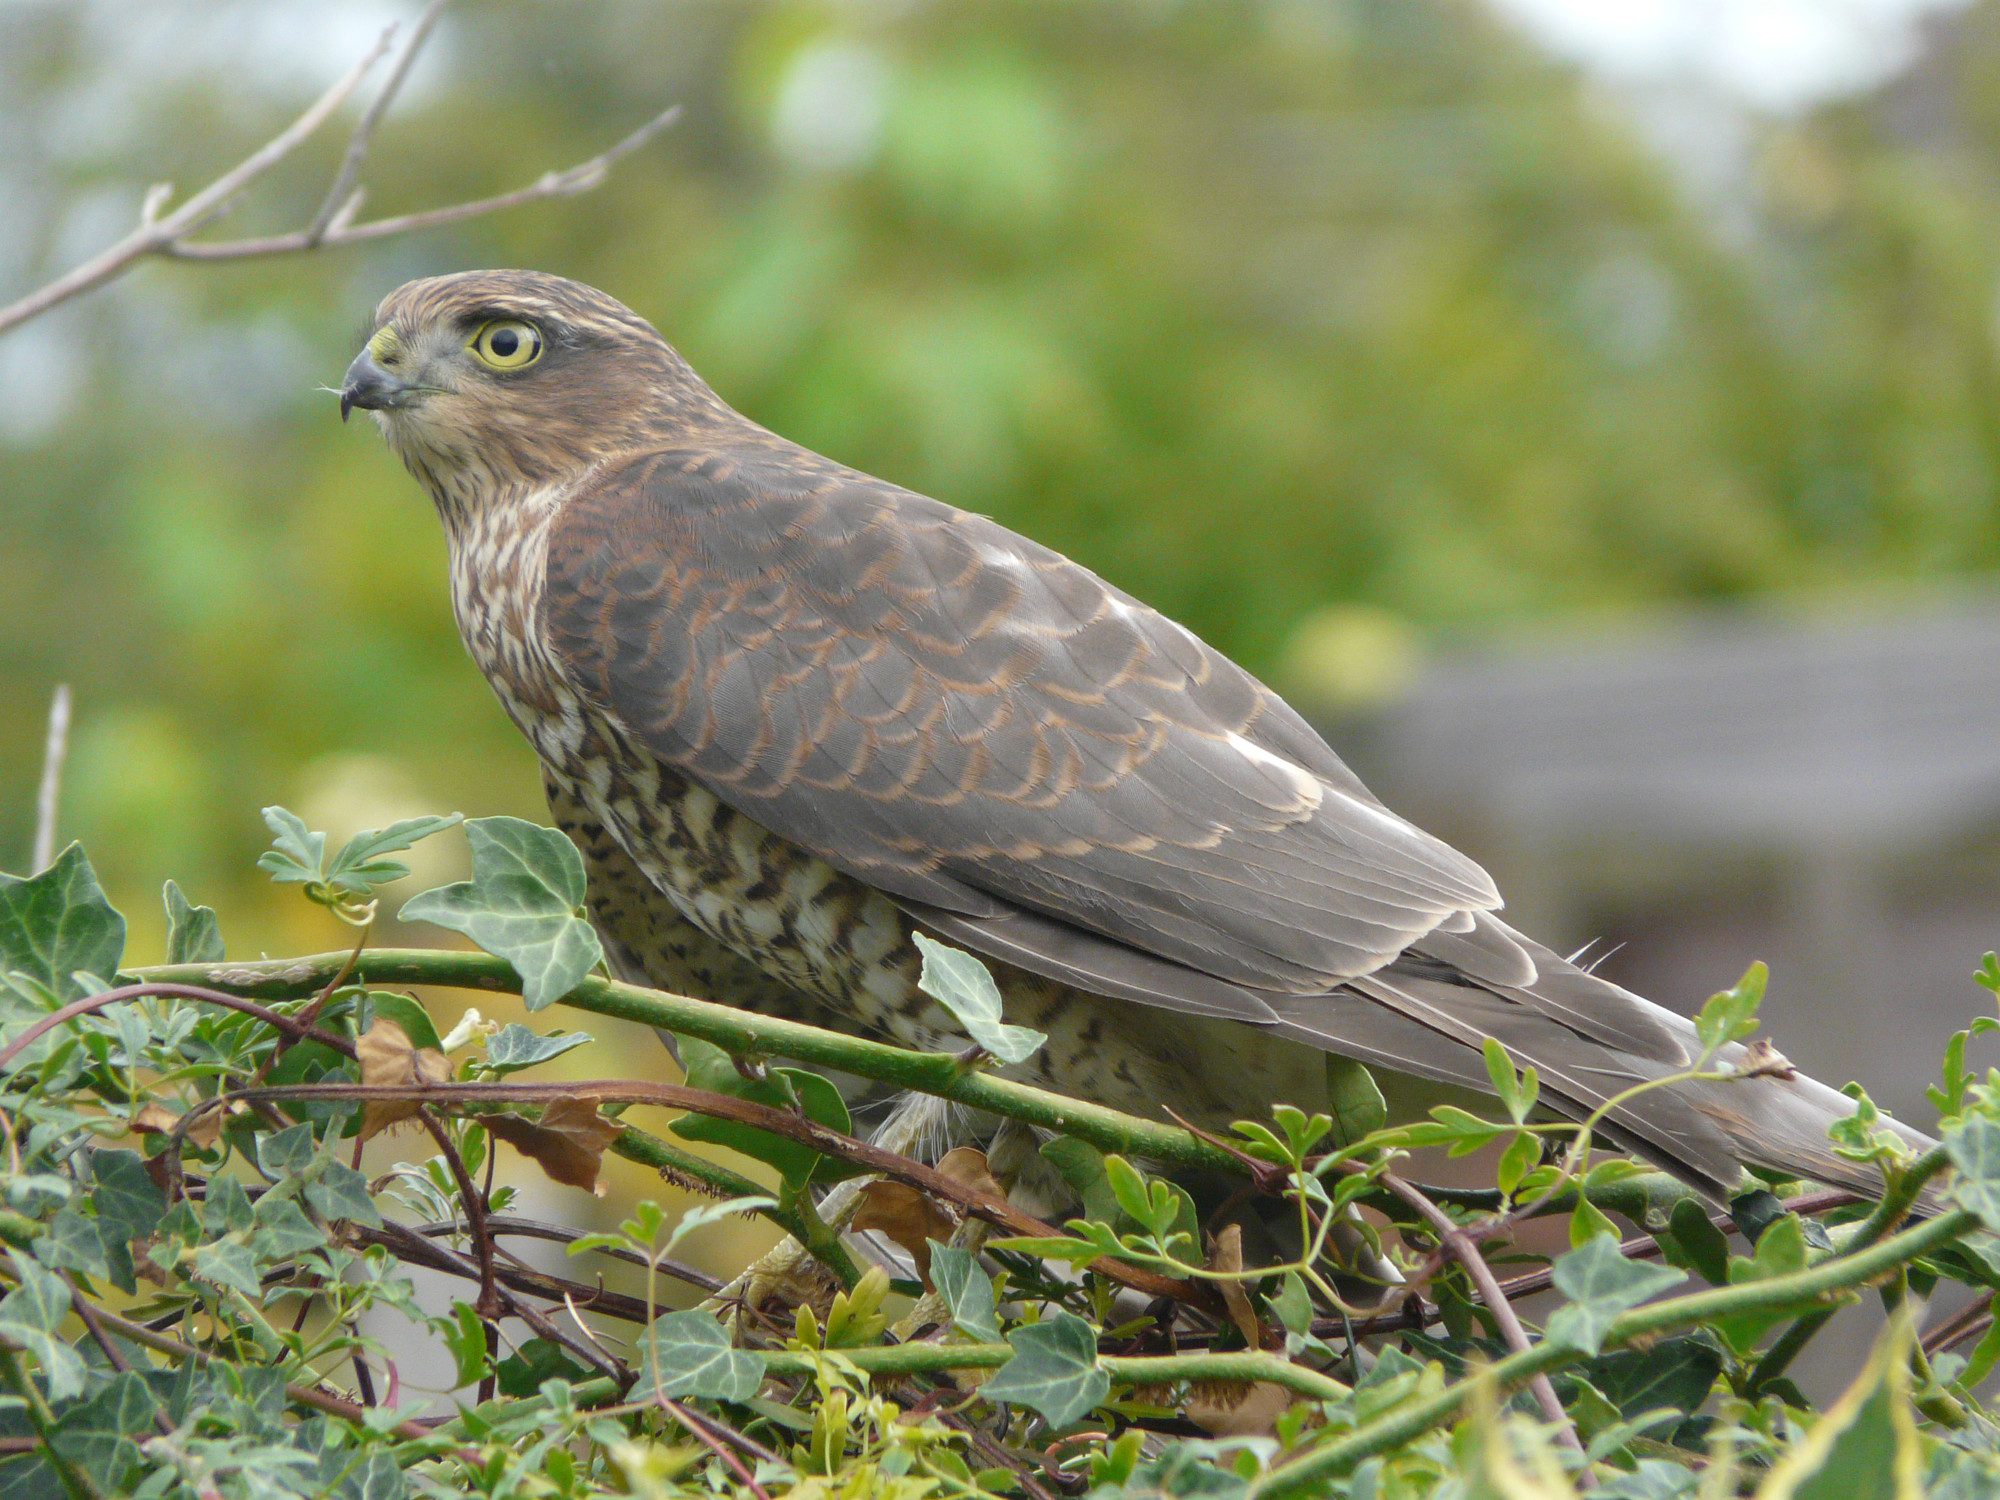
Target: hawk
793	714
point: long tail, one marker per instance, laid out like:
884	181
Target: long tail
1591	1041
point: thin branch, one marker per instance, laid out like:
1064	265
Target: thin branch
341	192
821	1138
1454	1239
98	1002
1309	1473
53	754
714	1444
489	1304
1968	1322
168	235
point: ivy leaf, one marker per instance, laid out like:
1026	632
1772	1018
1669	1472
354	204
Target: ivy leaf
524	904
98	1434
514	1047
711	1068
129	1203
57	925
287	1152
359	866
338	1191
282	1231
1781	1251
1601	1284
964	986
297	854
228	1263
966	1290
522	1373
1358	1107
1054	1369
193	935
73	1244
1692	1242
29	1318
1974	1148
695	1358
1866	1443
1731	1015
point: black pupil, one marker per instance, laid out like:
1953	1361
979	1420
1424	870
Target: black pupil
505	342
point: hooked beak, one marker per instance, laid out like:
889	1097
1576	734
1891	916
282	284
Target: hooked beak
369	386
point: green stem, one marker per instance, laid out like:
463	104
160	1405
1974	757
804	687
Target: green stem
19	1230
1148	1369
43	1420
1900	1194
794	1213
744	1033
738	1032
1336	1458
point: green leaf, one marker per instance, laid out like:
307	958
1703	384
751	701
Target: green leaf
522	1373
29	1318
1974	1148
1781	1251
297	854
73	1244
711	1068
966	1290
98	1434
1692	1242
695	1358
58	924
964	986
703	1214
284	1153
228	1263
193	935
1674	1374
282	1231
338	1191
129	1203
1081	1166
1358	1107
514	1047
1516	1091
1731	1016
359	866
1601	1284
1054	1370
524	904
1520	1158
1866	1446
465	1336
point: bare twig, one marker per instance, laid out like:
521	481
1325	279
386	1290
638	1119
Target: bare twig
827	1141
169	235
46	799
713	1443
97	1002
489	1306
1968	1322
1455	1239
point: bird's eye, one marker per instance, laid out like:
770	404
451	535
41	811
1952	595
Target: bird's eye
507	344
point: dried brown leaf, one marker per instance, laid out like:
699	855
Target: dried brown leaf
966	1166
568	1142
1226	1254
153	1119
389	1058
906	1216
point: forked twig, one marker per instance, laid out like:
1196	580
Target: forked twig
1467	1254
169	235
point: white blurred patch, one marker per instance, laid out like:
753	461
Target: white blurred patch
831	105
42	366
1776	55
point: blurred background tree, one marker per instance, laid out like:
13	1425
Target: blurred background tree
1330	327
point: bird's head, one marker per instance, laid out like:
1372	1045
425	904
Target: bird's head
491	384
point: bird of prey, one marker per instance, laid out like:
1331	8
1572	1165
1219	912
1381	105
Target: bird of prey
793	715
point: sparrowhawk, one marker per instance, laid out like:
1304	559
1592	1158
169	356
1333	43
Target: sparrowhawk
794	714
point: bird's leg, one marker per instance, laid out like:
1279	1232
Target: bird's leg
788	1265
1011	1151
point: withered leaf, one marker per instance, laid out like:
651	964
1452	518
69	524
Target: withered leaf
568	1142
966	1166
153	1119
905	1215
388	1057
1226	1254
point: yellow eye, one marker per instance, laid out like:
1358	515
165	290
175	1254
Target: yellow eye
508	344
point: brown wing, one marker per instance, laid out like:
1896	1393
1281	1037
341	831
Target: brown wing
967	720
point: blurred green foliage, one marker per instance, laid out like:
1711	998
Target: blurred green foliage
1255	307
